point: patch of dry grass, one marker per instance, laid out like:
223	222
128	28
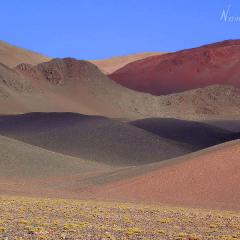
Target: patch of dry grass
35	218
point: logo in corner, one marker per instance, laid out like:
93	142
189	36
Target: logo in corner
227	17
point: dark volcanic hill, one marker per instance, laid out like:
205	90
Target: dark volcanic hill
198	135
212	64
230	125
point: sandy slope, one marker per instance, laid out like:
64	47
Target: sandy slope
180	71
11	55
92	138
110	65
21	160
209	178
78	86
27	170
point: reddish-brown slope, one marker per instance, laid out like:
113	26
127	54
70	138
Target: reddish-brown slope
209	179
217	63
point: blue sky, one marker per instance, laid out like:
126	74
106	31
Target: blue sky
93	29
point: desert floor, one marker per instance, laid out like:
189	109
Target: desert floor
39	218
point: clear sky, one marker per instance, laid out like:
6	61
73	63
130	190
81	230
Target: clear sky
93	29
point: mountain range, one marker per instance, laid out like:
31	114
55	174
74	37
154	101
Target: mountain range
152	127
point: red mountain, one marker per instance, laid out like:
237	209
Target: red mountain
217	63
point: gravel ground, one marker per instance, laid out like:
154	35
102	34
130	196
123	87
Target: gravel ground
34	218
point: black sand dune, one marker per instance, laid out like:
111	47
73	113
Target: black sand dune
91	138
197	135
230	125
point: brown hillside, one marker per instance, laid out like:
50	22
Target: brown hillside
69	85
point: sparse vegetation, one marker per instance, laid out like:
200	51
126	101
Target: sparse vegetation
35	218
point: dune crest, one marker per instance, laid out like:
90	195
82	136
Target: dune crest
11	55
